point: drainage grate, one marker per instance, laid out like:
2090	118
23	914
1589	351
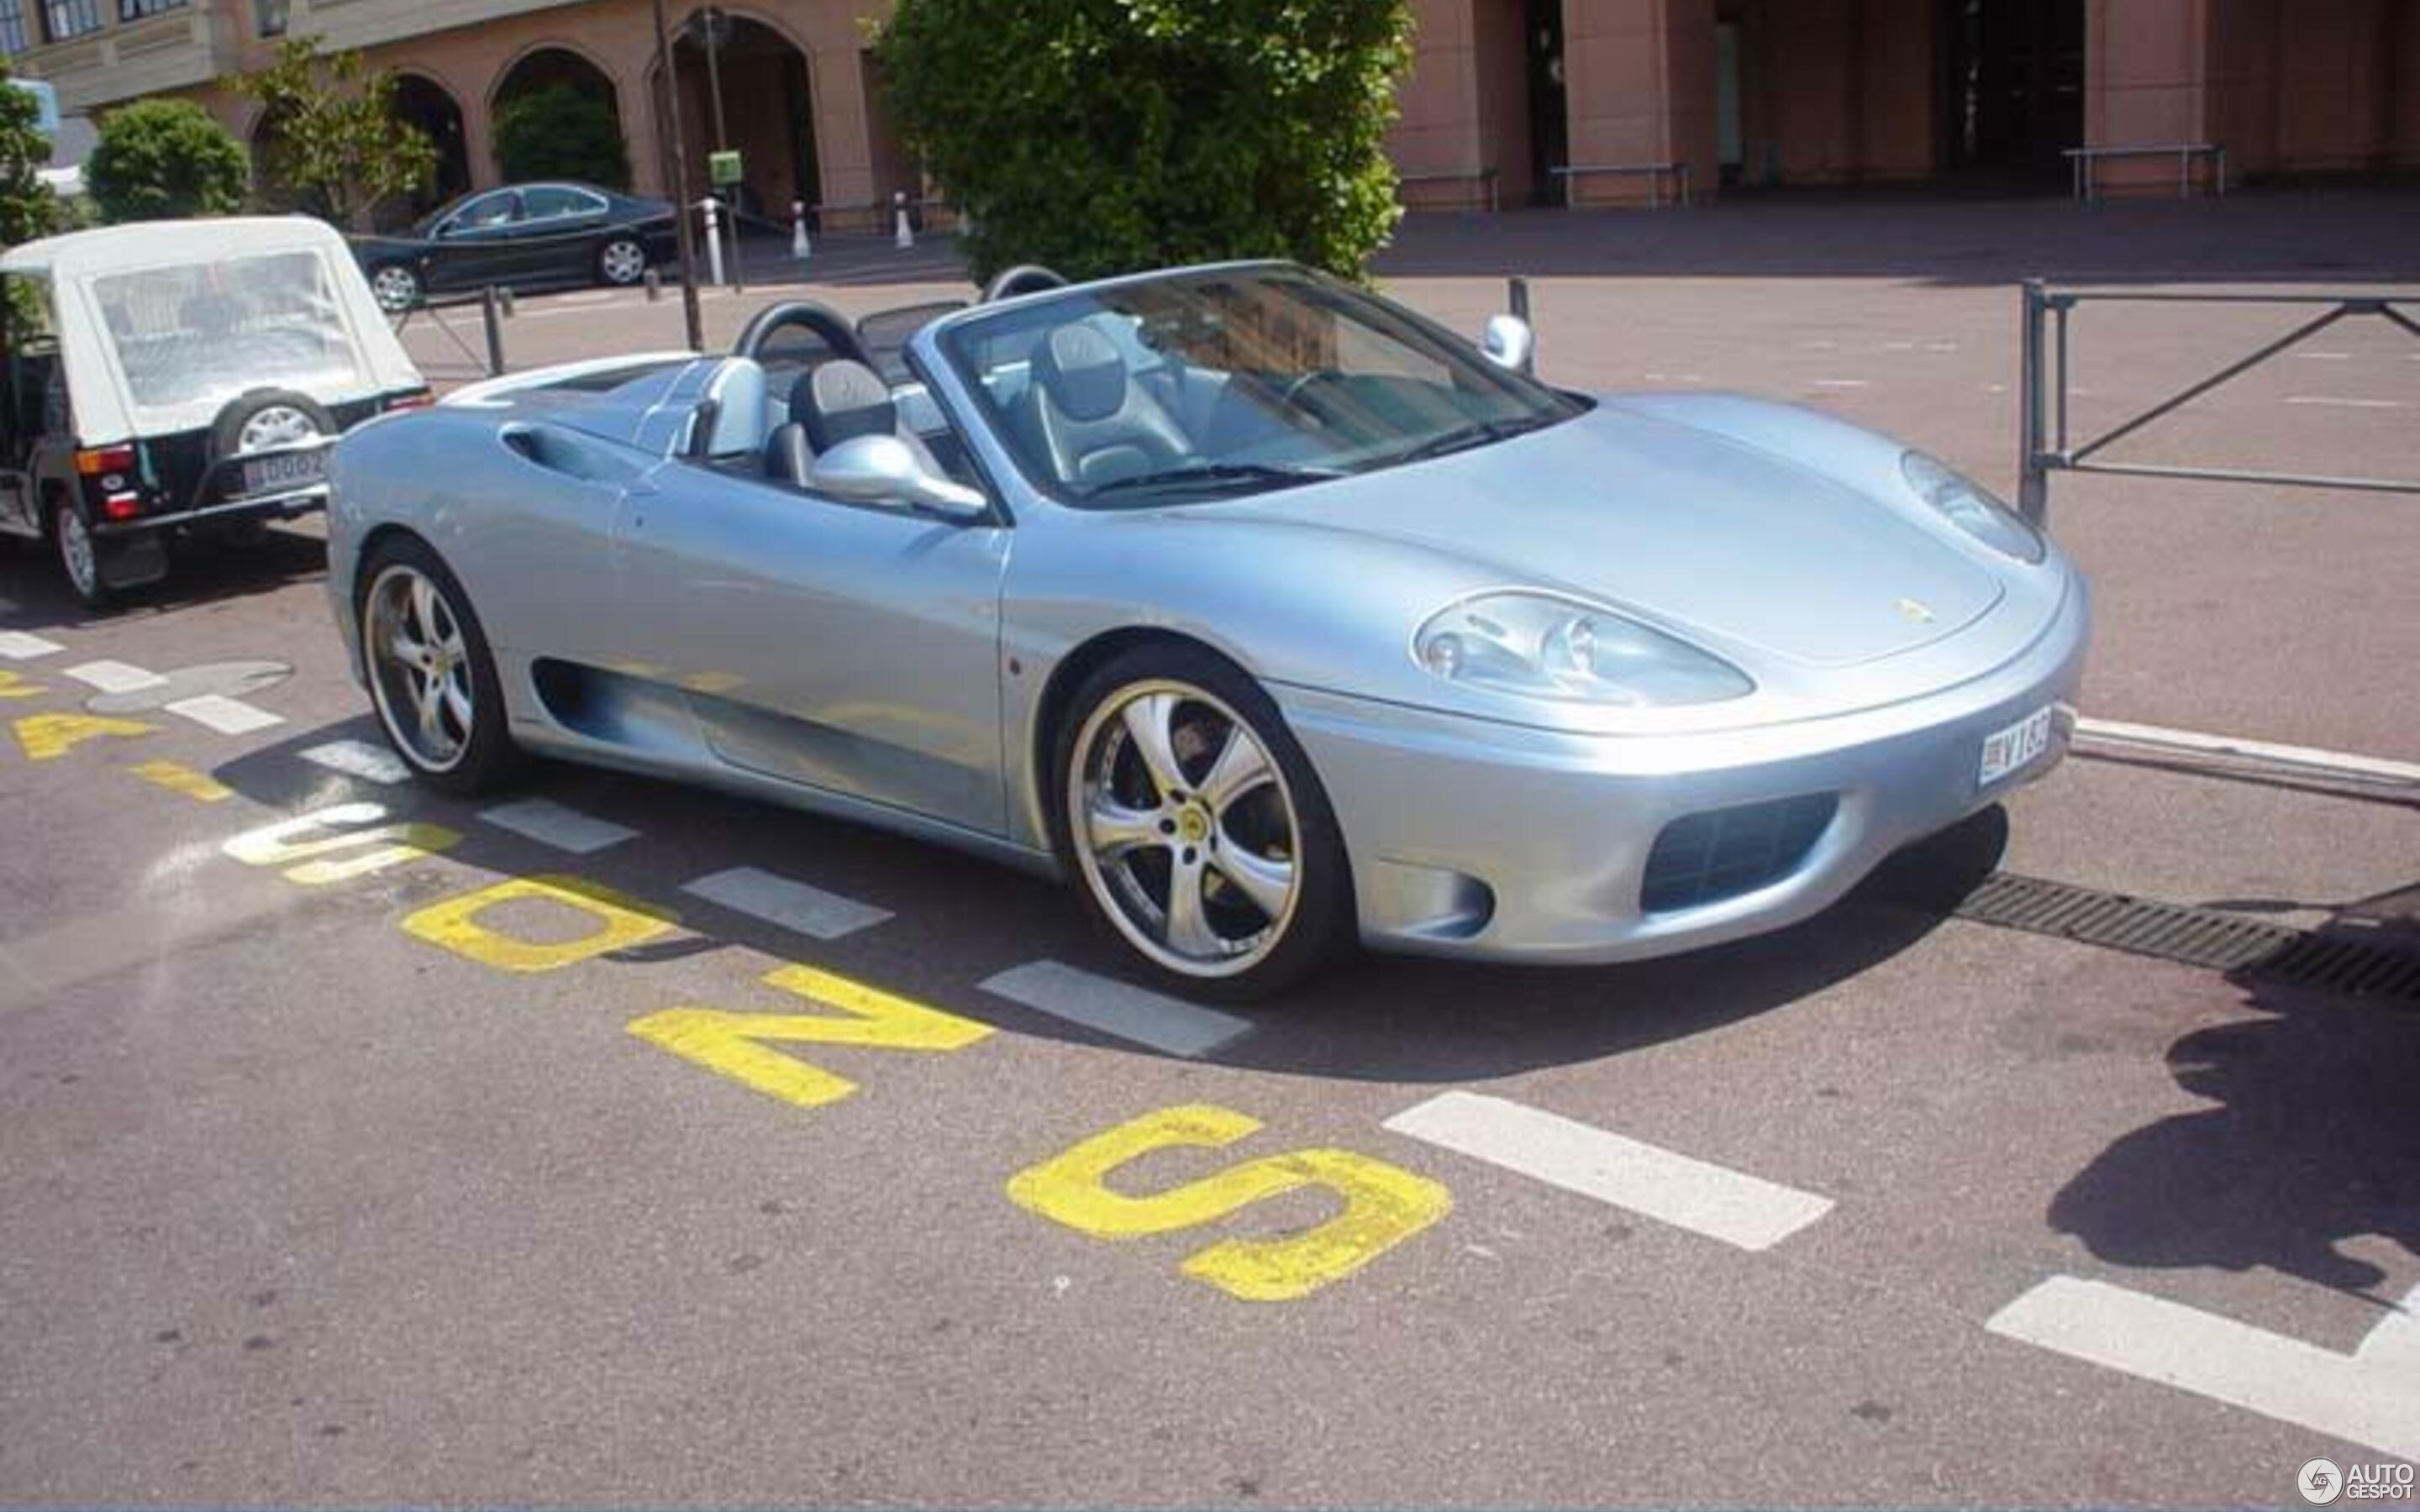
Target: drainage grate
2328	960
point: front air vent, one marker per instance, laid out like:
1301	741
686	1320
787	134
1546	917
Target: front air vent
1724	852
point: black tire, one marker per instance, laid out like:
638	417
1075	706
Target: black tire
226	431
1319	925
396	287
489	758
66	527
622	262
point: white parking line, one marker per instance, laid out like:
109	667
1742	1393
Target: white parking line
359	758
116	676
1705	1198
228	716
2333	402
551	823
793	905
2371	1395
2325	357
1113	1008
1842	383
18	646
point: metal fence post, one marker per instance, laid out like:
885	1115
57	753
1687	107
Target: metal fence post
2033	485
491	316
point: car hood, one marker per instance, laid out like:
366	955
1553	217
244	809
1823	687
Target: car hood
1734	545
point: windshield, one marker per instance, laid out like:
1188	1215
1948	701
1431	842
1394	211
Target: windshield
1232	381
208	331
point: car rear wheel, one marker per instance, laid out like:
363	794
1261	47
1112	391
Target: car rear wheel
622	261
396	287
79	558
1196	828
432	677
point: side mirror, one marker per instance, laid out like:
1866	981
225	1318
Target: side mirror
880	470
1509	342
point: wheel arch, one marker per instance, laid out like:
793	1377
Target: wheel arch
1051	709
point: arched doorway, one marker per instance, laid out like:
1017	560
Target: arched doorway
271	185
582	136
421	101
744	87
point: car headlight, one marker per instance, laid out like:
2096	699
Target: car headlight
1540	646
1971	507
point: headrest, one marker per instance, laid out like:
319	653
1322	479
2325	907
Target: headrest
840	401
738	394
1081	370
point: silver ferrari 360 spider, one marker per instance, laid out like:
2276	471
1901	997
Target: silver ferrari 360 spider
1270	613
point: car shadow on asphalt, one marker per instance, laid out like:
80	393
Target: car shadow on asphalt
33	595
957	921
2312	1137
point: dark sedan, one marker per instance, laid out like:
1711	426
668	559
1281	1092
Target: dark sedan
522	236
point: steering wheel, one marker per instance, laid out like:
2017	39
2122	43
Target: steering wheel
1025	278
1300	393
806	315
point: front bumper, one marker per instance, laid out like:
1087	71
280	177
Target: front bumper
1504	843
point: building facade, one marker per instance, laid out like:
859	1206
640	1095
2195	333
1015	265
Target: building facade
1590	102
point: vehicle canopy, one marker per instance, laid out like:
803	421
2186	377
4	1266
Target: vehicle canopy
161	324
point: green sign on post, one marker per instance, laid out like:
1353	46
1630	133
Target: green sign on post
722	168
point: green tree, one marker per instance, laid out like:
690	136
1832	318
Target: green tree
1104	136
161	159
28	210
334	142
561	132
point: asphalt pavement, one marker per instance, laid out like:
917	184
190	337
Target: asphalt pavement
613	1142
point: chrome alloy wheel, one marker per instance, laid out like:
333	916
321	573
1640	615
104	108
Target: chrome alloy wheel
76	554
623	262
420	667
1185	828
396	289
277	424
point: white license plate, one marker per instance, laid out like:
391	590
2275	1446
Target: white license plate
2017	747
283	470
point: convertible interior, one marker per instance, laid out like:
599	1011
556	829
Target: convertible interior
1091	397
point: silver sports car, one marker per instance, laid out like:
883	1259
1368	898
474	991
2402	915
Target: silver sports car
1270	613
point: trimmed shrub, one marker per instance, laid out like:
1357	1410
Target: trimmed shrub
161	160
1101	136
560	132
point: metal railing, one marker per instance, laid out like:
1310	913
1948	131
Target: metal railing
1655	172
495	305
2046	445
2084	165
1485	178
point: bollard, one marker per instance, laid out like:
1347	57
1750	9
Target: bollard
491	316
800	247
504	297
654	284
1516	293
712	210
903	237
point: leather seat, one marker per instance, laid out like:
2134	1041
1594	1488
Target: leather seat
836	402
1089	417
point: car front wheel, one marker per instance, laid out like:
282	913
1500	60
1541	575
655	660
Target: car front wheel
398	289
432	677
1196	828
622	261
